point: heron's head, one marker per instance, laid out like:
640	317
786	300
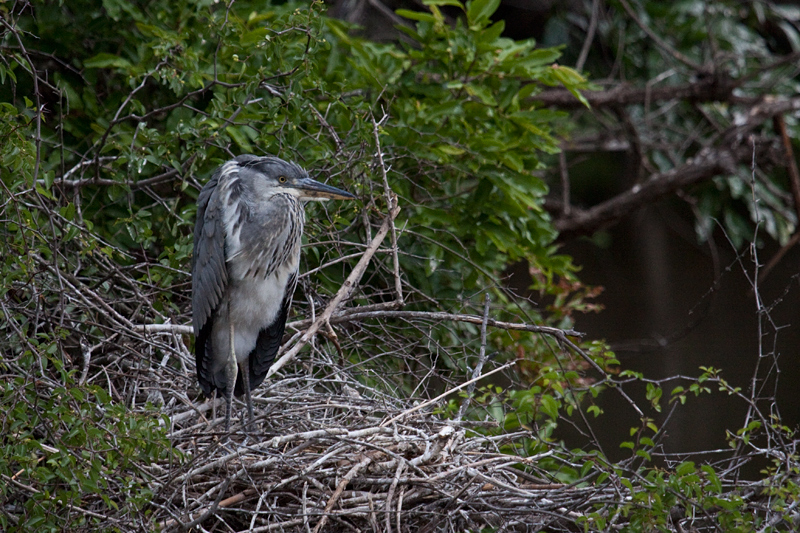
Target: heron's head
277	175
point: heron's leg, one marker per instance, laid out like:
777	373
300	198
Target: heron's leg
245	370
231	369
214	405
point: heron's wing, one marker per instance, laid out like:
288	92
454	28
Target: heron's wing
269	339
209	276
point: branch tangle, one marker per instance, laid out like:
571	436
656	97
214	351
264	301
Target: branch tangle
733	148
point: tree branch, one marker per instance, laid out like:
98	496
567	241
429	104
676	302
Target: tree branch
732	149
705	89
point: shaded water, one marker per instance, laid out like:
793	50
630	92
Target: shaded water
671	306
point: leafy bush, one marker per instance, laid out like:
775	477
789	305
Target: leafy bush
71	455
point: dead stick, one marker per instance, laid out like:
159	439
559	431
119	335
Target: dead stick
476	373
398	283
444	394
359	313
401	465
236	498
338	492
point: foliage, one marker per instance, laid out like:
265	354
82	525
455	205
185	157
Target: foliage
99	453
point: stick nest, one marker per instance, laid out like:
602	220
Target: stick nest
329	454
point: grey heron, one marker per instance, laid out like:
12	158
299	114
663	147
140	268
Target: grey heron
250	219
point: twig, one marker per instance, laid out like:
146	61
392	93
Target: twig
575	348
401	465
209	466
329	432
208	512
587	43
36	94
444	395
565	200
476	373
134	185
331	130
398	282
164	328
305	508
659	41
339	489
81	164
354	314
358	313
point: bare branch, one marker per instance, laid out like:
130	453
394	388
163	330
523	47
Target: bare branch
704	89
476	372
398	282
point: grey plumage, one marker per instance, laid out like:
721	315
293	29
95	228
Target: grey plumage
247	238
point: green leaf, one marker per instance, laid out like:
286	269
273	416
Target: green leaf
571	80
685	468
105	60
712	478
239	137
513	161
488	36
253	36
549	406
416	15
479	11
454	3
449	149
483	93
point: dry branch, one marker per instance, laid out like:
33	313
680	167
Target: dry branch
704	89
354	314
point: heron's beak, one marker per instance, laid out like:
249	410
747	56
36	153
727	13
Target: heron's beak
313	190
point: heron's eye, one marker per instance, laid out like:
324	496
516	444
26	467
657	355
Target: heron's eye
282	179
